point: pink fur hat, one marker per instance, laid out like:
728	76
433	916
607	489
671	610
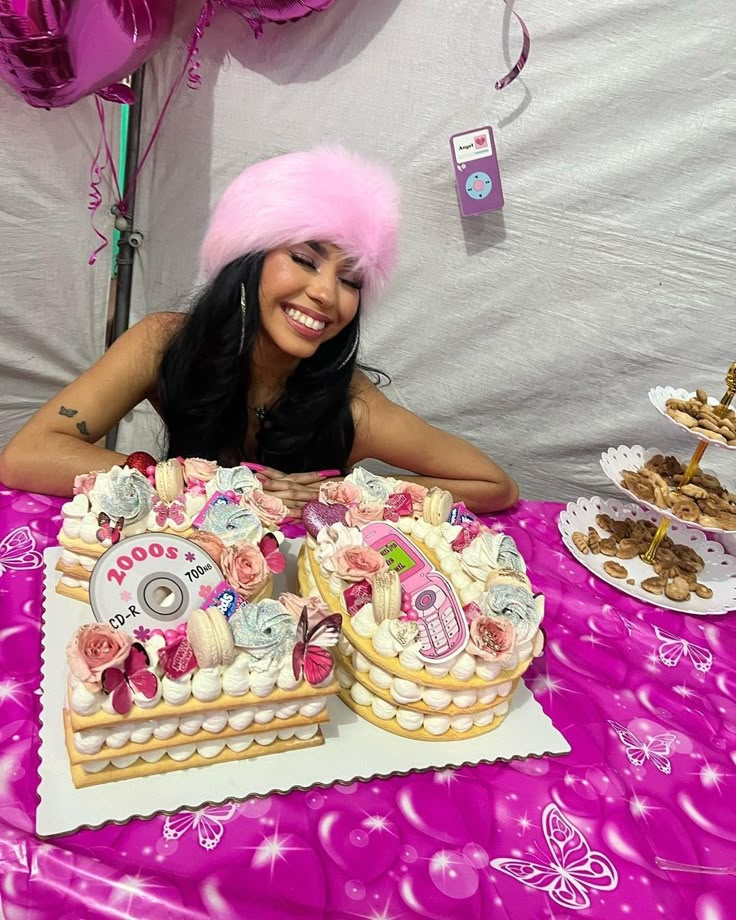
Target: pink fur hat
327	194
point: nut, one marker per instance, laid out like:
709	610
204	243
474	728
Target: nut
654	585
665	555
694	491
677	590
608	546
580	541
604	521
687	559
628	548
685	508
703	591
615	570
620	529
666	569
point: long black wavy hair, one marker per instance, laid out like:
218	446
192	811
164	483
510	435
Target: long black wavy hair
204	381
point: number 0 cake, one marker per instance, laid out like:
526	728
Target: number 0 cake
439	617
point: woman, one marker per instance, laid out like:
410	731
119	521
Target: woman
264	368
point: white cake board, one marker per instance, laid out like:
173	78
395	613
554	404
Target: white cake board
353	749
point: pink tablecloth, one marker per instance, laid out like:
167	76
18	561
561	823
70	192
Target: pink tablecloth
646	698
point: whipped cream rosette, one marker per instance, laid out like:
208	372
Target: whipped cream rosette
196	499
213	690
439	617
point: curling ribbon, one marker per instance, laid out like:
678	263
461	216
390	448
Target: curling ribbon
523	57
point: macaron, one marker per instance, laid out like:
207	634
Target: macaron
210	638
437	506
169	480
386	597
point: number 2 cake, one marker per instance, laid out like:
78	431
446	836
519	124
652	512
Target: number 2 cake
217	671
222	509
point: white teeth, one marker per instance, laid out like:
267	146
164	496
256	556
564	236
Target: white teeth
305	320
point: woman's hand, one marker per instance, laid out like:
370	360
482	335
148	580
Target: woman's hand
294	489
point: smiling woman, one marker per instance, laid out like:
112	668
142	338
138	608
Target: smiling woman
264	368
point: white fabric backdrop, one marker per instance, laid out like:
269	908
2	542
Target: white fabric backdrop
52	304
535	331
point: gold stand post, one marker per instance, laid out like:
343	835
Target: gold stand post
692	466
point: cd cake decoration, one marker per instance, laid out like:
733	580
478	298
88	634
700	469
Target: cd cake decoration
151	580
223	510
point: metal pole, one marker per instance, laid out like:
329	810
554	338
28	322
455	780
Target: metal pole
129	238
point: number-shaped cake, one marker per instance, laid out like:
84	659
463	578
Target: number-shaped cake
439	617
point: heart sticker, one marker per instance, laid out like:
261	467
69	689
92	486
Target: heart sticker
404	631
317	515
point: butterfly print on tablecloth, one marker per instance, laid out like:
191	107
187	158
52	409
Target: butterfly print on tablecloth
574	869
655	749
18	552
673	648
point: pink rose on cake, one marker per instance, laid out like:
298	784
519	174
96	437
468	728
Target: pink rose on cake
491	638
269	509
364	513
357	563
201	470
244	568
339	493
417	494
94	648
210	543
84	484
316	608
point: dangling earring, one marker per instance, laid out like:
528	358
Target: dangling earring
243	311
342	364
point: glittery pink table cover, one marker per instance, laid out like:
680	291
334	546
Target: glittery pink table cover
646	698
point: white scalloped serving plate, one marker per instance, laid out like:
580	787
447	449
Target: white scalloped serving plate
658	397
719	572
617	459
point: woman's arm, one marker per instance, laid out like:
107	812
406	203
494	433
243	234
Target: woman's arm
386	432
58	442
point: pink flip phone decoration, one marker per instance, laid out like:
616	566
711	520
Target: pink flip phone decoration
443	629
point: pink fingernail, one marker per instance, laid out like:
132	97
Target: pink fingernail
261	478
254	466
326	474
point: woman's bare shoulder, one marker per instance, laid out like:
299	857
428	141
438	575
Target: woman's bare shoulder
361	383
160	328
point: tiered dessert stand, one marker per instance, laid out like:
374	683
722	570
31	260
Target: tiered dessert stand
719	573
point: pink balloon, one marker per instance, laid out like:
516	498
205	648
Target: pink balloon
256	12
54	53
